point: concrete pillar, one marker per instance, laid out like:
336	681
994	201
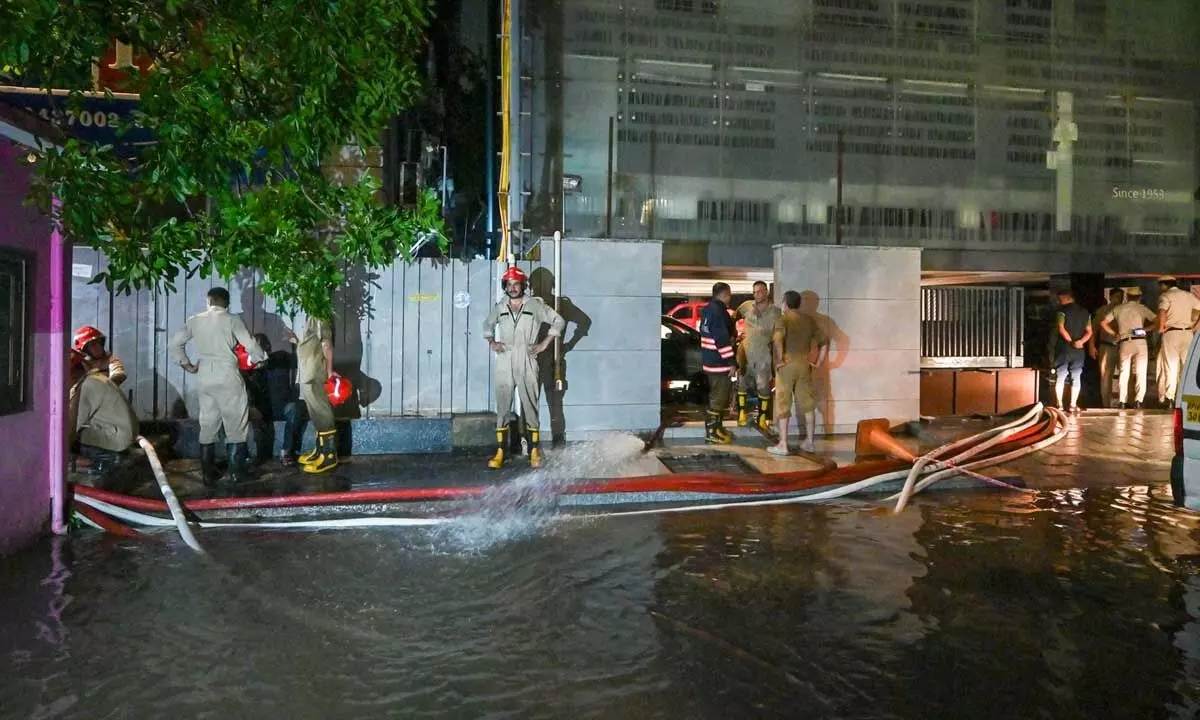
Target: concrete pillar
869	301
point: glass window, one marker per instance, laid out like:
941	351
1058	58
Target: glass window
14	332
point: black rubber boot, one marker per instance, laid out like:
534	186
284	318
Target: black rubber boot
208	465
238	455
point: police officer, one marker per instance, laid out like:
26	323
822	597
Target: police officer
1176	324
511	330
89	343
1130	323
102	422
760	316
223	398
1102	347
717	361
314	359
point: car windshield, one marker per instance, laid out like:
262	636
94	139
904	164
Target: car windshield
670	324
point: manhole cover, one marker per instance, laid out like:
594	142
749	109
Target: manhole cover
709	462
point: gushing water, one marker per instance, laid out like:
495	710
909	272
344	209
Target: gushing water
527	505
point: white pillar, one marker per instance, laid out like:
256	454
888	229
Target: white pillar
1062	159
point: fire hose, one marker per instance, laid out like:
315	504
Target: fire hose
966	456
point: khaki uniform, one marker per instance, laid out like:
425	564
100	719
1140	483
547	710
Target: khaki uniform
1176	339
1133	352
760	325
310	363
516	367
794	380
101	416
223	399
1106	353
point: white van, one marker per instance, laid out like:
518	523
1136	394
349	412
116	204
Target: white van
1185	467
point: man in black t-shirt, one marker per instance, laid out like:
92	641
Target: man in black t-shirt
1074	329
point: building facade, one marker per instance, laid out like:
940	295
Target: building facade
723	127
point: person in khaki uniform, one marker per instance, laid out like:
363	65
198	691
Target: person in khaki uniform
1176	324
1102	346
314	363
798	341
223	399
101	420
511	330
755	374
1130	322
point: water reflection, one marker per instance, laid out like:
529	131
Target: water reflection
1066	604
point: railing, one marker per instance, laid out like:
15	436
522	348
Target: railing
972	327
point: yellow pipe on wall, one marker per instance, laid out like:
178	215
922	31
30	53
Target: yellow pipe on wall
505	130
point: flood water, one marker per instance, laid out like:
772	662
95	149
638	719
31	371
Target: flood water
1080	604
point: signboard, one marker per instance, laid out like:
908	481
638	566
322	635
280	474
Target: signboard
96	122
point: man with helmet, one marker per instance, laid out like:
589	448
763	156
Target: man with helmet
89	343
102	424
223	398
511	330
314	359
1176	324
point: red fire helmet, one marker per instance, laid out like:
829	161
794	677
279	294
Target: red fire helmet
513	273
243	357
338	389
85	335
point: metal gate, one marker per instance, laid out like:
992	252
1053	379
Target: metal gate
972	327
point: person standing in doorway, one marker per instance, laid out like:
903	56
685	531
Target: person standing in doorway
1074	328
717	361
1102	346
760	315
1176	325
314	360
223	398
511	330
798	341
1130	322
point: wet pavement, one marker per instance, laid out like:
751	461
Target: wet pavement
1075	603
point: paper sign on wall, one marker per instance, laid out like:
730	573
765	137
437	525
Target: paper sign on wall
423	297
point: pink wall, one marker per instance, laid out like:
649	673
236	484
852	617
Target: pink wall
24	457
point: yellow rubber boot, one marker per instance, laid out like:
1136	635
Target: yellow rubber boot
743	415
535	453
326	458
498	459
764	416
311	455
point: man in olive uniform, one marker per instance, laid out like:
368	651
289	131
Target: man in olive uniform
1176	324
797	343
314	359
223	400
1102	346
1130	322
102	422
511	330
760	316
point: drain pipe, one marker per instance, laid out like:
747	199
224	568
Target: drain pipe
558	291
185	531
56	432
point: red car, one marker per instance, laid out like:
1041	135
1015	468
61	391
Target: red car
688	313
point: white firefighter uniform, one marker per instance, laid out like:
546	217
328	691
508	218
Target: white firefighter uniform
516	367
223	399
